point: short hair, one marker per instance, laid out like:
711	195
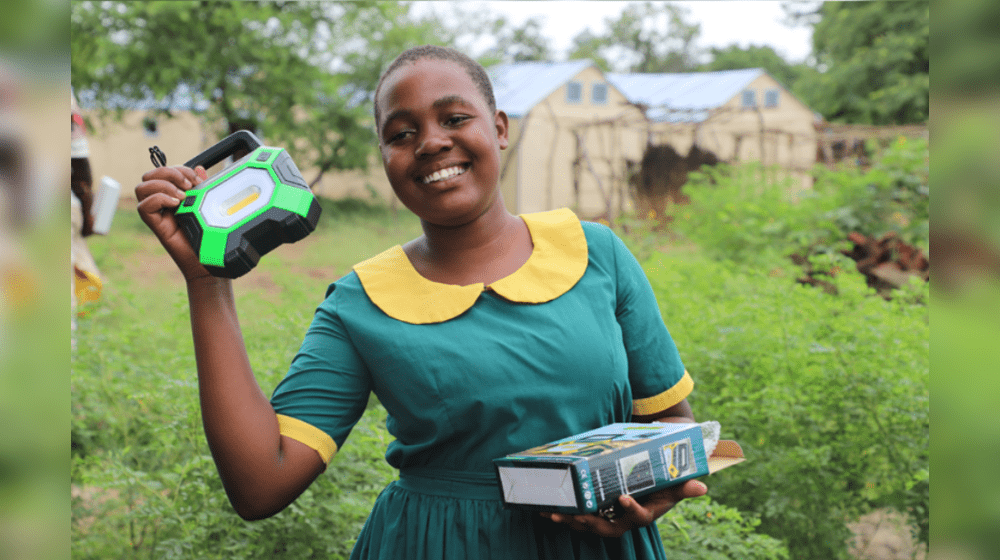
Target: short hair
434	52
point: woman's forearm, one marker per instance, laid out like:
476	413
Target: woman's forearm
261	471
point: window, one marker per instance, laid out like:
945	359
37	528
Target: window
749	99
574	92
599	95
150	126
771	98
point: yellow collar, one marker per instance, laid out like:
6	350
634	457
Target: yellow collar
558	260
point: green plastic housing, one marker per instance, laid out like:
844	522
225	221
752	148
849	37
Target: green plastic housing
235	217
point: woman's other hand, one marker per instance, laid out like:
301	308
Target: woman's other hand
634	514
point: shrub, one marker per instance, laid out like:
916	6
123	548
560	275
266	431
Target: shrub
828	395
742	213
700	529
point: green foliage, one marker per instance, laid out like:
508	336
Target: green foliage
748	215
517	43
647	37
828	396
734	57
700	529
300	72
874	62
28	24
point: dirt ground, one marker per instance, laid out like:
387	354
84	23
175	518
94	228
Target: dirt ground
883	535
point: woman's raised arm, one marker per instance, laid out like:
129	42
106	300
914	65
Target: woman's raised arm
261	470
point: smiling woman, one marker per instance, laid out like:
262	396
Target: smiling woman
488	334
441	143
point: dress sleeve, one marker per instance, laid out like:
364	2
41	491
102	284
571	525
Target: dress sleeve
656	373
327	386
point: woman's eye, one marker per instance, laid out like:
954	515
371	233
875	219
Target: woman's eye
403	134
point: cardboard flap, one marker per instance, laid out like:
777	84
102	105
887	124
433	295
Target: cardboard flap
727	453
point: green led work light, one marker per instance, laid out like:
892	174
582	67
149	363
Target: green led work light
244	211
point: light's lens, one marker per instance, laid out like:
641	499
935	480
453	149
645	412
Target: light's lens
241	199
240	196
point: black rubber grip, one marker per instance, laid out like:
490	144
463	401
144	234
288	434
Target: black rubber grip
241	139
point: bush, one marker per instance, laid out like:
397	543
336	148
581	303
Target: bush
828	395
744	215
700	529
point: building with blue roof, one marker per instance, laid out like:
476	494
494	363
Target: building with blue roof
576	134
571	133
740	115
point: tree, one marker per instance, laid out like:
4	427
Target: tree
517	43
735	57
647	37
871	60
301	72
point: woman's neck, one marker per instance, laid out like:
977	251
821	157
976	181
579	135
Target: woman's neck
491	247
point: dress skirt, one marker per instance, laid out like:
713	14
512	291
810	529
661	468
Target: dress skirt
431	514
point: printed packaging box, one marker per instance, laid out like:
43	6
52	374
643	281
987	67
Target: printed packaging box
586	473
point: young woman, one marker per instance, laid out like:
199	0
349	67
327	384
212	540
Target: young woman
488	334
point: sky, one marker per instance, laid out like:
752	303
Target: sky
723	22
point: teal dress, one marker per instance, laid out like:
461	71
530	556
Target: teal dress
572	341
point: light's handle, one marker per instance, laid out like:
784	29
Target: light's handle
241	139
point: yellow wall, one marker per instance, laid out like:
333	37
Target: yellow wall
549	147
733	132
120	150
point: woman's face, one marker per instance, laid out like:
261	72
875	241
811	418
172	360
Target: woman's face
440	142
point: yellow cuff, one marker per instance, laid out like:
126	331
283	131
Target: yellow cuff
308	434
666	399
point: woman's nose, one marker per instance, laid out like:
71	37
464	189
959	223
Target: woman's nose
433	141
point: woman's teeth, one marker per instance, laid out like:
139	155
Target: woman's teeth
444	174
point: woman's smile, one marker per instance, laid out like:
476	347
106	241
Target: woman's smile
444	174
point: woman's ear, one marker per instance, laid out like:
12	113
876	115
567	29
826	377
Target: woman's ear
502	125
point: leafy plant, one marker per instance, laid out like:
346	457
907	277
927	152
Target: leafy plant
701	529
744	214
828	396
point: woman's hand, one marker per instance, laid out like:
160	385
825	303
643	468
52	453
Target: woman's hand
160	192
634	514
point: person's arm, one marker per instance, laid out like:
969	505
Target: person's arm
261	470
81	183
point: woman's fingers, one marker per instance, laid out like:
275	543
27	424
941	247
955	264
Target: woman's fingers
633	513
151	210
161	191
590	523
174	181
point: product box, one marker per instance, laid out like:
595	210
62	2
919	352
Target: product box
586	473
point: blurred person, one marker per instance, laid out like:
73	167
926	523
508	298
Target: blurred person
85	277
17	283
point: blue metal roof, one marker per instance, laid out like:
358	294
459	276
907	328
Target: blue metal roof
183	98
519	86
684	96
